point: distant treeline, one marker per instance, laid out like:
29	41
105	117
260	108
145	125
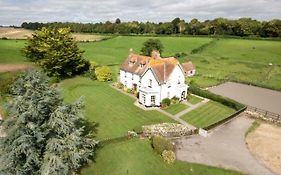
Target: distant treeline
218	26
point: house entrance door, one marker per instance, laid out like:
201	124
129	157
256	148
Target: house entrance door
183	95
153	100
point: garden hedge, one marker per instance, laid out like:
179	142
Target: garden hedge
195	89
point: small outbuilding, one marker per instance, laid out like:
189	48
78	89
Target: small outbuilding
189	69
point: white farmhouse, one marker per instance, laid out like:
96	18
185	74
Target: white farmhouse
155	78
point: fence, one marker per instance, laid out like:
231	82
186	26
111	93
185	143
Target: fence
265	113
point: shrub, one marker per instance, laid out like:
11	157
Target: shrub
119	85
180	55
169	156
103	73
159	144
166	102
6	80
175	100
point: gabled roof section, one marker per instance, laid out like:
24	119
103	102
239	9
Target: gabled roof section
188	66
162	68
135	64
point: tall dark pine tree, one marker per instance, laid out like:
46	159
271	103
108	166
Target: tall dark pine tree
43	135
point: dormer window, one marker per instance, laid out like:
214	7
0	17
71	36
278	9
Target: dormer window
150	83
131	62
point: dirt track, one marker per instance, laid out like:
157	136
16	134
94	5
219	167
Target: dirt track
18	33
265	144
14	67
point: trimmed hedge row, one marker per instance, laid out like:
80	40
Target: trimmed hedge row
195	89
204	46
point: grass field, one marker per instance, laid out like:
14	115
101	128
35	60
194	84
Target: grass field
226	59
209	113
10	51
240	60
176	108
115	51
114	111
136	157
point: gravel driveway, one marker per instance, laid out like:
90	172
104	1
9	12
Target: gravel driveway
223	147
262	98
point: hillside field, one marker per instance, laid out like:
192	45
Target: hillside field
255	62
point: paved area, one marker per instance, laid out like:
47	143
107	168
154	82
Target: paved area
192	107
177	119
223	147
262	98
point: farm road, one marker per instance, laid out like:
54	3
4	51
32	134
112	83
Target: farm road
261	98
223	147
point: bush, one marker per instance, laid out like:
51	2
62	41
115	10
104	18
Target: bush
180	55
159	144
169	156
175	100
119	85
165	102
103	73
6	80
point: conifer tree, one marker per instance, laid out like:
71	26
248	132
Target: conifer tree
43	135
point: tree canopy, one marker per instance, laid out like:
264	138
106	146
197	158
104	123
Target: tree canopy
56	52
43	135
150	45
217	26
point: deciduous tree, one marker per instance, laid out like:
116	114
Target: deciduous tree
150	45
56	52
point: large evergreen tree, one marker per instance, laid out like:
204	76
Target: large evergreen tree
43	135
55	50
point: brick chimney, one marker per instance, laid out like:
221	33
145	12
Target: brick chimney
155	54
131	51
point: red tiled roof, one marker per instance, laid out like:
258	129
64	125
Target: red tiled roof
161	67
188	66
133	64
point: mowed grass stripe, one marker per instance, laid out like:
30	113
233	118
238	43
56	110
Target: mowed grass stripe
176	108
207	114
114	111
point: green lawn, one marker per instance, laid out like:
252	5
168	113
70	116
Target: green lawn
136	157
114	111
209	113
193	99
226	59
115	51
176	108
10	51
237	59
